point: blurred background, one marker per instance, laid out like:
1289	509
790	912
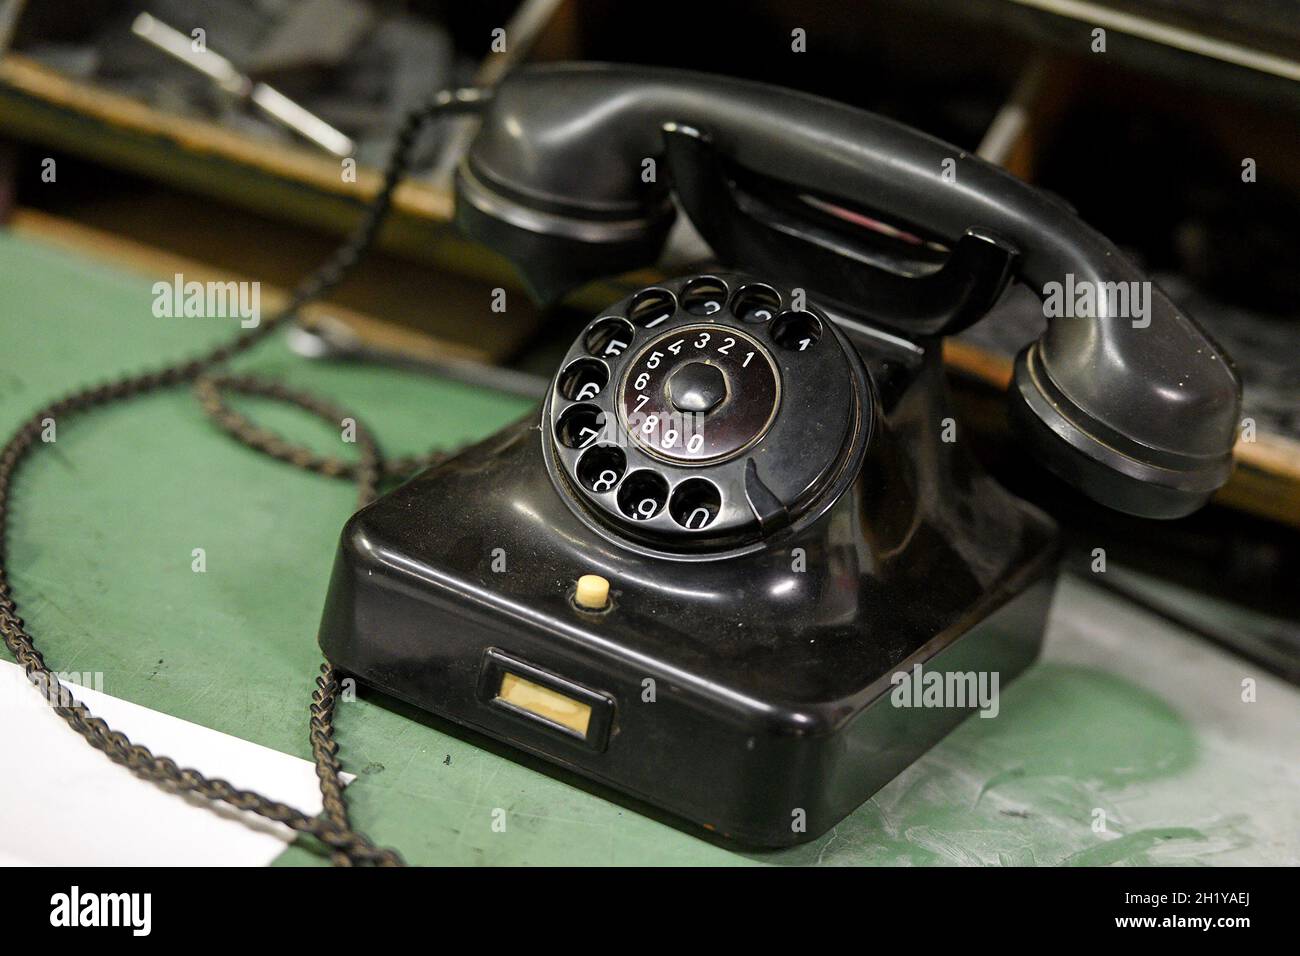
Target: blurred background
1178	140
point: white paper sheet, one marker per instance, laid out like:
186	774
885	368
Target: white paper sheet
63	803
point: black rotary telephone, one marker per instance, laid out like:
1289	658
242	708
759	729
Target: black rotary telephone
738	523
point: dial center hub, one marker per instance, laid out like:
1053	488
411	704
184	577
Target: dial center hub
697	387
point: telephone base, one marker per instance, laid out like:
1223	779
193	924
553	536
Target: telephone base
757	695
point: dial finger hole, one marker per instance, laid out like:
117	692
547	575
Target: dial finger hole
756	303
797	331
642	495
580	426
704	296
695	503
652	308
583	380
600	468
609	338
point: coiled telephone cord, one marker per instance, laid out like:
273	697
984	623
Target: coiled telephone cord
206	376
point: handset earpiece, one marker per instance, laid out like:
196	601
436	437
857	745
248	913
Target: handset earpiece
1138	410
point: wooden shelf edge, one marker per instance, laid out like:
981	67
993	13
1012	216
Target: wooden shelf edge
146	260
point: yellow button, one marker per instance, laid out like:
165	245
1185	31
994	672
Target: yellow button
592	593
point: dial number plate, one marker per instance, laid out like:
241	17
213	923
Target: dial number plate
700	394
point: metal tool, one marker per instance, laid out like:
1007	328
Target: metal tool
265	97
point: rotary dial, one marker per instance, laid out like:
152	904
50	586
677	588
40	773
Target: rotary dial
704	412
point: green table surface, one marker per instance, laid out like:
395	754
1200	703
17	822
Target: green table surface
1125	717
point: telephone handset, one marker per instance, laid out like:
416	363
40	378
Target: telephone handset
751	459
1142	418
